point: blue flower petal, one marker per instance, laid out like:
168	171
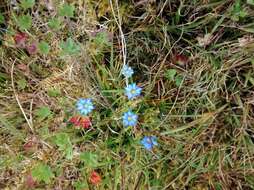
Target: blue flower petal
129	119
132	91
149	142
127	71
84	106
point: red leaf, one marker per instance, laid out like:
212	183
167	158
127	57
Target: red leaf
32	48
23	67
95	178
75	120
181	59
30	146
20	39
30	182
85	122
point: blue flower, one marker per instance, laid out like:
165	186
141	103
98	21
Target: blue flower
130	119
149	142
84	106
127	71
132	91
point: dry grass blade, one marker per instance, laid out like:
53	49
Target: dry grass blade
29	121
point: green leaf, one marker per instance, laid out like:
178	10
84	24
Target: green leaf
237	6
54	24
4	77
66	10
178	80
90	159
101	39
22	84
170	74
42	172
80	185
238	11
26	4
24	22
44	130
2	20
250	2
43	112
62	140
44	47
54	92
252	61
243	13
69	152
69	47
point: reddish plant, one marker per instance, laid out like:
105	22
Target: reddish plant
74	120
30	182
181	59
20	39
32	48
30	146
83	122
22	67
95	178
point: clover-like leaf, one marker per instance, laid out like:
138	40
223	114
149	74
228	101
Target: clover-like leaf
54	23
63	141
42	172
26	4
24	22
66	10
178	80
90	159
102	39
44	47
52	92
43	112
80	185
22	83
170	74
69	47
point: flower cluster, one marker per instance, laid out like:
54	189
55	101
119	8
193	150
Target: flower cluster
132	91
130	119
84	106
